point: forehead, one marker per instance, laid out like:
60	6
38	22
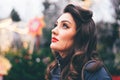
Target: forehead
65	17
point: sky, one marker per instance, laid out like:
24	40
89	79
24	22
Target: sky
103	11
27	9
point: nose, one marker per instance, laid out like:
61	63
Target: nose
55	31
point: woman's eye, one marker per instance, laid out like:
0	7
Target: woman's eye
65	26
55	25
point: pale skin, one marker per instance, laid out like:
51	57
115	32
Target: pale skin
63	34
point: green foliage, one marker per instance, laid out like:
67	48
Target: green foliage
27	66
108	34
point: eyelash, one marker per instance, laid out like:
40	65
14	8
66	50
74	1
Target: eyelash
55	25
64	25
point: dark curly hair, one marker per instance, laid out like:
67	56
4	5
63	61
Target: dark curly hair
84	48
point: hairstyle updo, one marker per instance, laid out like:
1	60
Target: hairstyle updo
84	41
84	15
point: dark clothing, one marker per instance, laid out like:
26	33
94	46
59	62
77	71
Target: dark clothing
55	73
101	74
90	71
94	71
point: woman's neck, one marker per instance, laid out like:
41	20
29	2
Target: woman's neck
63	54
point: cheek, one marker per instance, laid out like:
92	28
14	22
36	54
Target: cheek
68	44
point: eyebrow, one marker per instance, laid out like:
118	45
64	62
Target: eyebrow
65	21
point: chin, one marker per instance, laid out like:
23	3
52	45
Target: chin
53	47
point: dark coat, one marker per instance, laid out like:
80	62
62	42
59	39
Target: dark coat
92	70
95	70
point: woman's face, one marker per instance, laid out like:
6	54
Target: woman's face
63	33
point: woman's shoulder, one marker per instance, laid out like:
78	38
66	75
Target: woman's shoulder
95	70
93	65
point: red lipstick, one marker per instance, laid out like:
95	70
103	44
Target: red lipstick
54	39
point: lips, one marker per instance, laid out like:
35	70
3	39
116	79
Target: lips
54	39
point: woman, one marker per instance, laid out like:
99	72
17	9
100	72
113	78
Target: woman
74	45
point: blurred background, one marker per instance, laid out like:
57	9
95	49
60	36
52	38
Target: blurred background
25	28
